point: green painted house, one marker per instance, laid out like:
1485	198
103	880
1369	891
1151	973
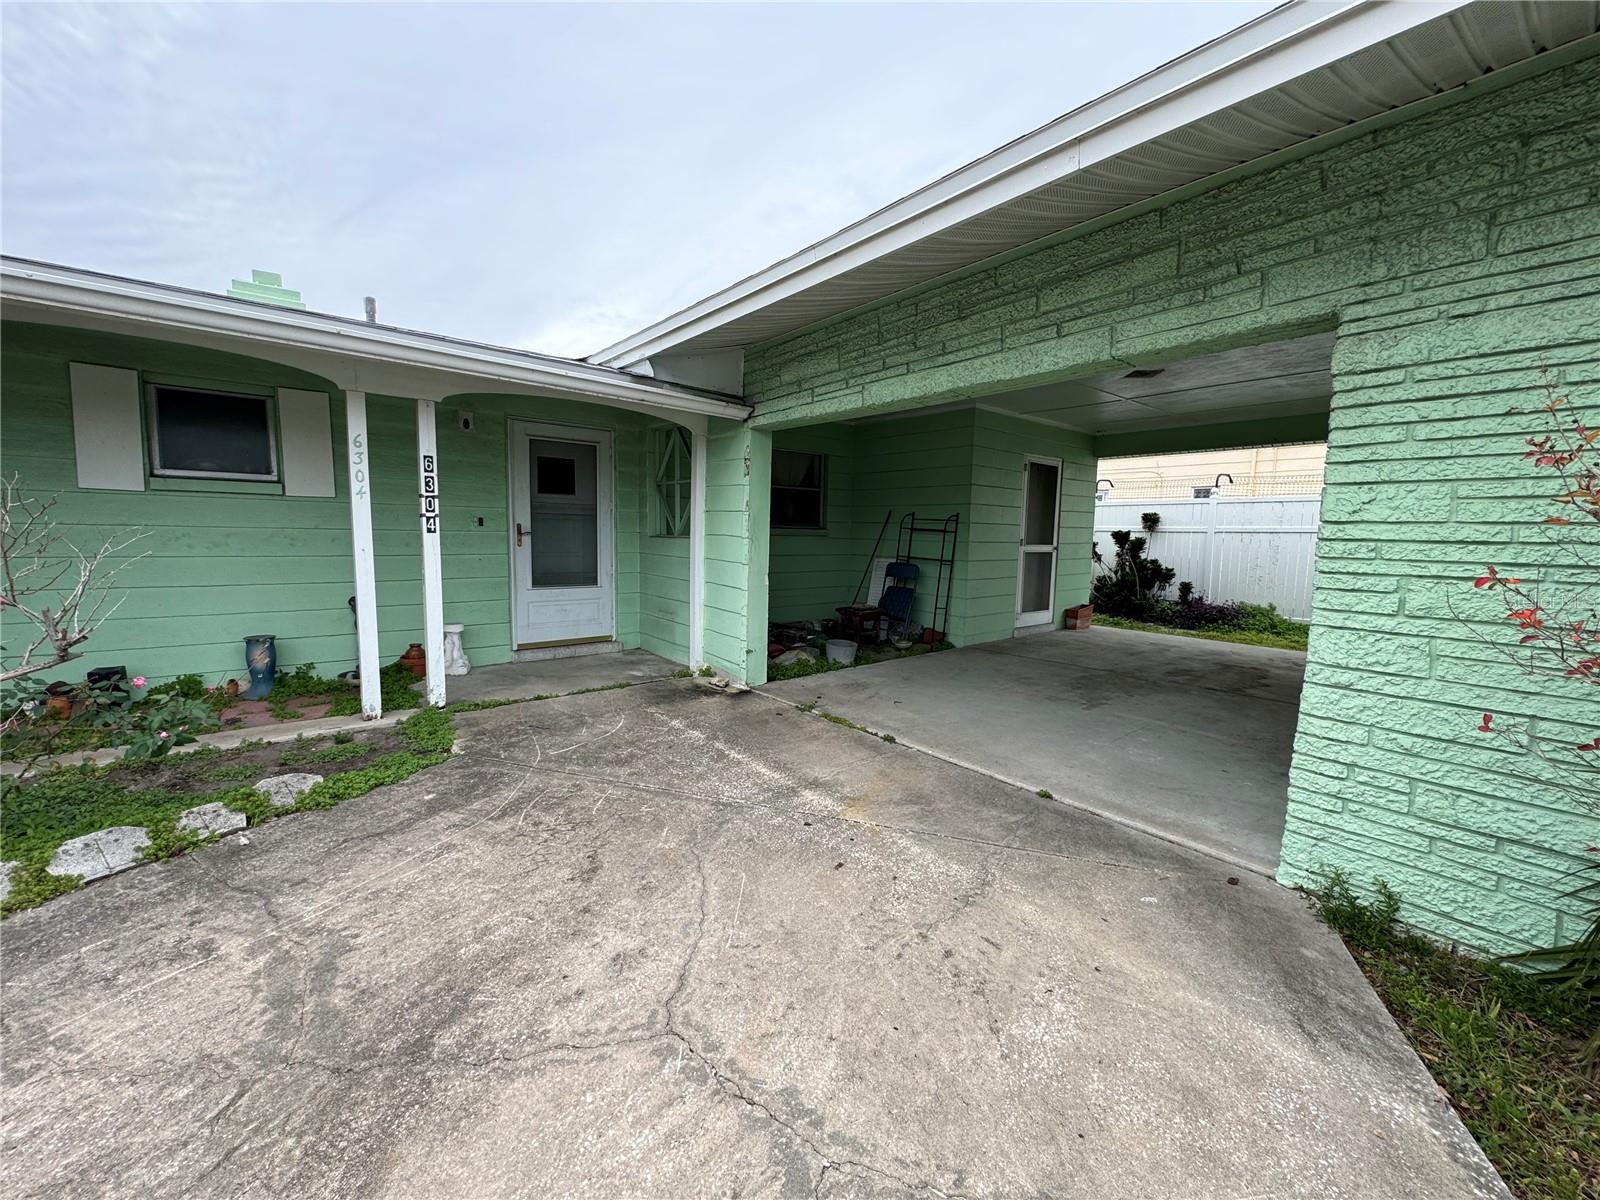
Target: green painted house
1369	223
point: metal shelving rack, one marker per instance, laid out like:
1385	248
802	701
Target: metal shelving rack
947	530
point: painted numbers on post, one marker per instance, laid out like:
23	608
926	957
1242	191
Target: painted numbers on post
358	464
430	496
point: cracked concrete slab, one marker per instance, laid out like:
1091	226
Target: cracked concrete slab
669	942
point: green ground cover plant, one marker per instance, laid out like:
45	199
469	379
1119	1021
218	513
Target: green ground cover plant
1282	634
868	656
38	814
1505	1046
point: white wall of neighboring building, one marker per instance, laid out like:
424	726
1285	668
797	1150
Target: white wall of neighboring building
1258	471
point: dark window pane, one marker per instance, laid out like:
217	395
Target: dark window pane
797	490
791	468
557	476
564	524
796	509
213	432
1040	521
1036	571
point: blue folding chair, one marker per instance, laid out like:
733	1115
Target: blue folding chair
899	593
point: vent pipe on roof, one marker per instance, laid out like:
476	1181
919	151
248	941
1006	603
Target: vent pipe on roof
370	303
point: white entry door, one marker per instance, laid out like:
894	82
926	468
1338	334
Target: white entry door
561	531
1041	530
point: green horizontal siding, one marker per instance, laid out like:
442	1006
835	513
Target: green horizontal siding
964	463
217	566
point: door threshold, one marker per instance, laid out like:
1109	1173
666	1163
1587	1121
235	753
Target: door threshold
577	649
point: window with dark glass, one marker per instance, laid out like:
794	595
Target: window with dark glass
211	435
798	481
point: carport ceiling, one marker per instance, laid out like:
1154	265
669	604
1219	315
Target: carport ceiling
1278	379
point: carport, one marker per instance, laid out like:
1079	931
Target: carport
1184	738
1180	737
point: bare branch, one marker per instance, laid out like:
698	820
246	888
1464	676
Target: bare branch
34	560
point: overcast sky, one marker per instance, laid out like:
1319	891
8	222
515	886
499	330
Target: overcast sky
546	176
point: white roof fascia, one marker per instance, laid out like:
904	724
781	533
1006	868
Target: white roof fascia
1296	38
66	290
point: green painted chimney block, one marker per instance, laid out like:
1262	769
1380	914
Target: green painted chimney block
265	287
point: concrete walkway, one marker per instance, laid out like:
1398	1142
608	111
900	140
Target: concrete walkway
1186	738
501	681
557	676
668	942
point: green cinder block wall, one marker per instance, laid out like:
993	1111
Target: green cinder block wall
1454	253
219	564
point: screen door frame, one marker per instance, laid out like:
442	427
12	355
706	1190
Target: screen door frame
557	616
1030	618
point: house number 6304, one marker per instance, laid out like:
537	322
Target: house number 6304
358	464
430	496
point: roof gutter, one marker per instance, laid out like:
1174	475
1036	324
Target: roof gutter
1279	46
67	290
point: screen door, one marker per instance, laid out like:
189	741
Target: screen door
561	534
1036	560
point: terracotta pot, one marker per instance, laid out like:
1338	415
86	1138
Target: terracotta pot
59	706
416	659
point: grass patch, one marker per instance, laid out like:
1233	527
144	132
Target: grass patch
1290	640
1503	1046
466	706
395	688
68	802
801	667
866	656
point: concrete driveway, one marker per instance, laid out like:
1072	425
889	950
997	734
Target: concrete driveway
1186	738
669	942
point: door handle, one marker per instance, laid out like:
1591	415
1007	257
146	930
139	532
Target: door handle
519	535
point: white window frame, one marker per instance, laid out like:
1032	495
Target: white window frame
672	447
152	407
821	489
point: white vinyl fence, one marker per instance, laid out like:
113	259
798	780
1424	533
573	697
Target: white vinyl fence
1261	549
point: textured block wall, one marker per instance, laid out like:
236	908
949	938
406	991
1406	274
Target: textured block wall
1454	253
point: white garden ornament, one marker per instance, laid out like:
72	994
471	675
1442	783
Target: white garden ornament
455	658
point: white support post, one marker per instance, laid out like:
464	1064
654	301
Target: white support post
432	574
360	461
697	549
